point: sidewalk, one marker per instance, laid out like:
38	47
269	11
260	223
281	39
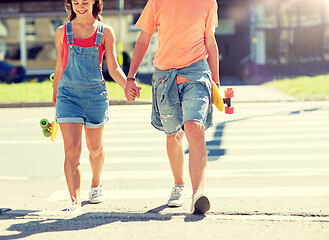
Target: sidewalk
242	93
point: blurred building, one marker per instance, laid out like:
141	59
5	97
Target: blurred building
286	38
258	39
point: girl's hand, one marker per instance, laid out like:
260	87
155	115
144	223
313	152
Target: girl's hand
132	90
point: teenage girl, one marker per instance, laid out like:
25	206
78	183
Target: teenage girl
80	94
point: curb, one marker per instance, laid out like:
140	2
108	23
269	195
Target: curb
50	104
146	102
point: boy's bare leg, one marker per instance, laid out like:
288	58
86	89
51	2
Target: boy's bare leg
176	156
194	131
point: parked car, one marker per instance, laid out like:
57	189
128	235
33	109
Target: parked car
11	74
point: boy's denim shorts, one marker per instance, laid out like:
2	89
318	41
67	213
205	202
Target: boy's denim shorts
194	106
86	104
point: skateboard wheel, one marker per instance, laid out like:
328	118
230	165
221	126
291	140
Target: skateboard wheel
229	93
229	110
51	77
46	132
44	123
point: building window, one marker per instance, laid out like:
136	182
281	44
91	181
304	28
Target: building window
287	47
30	29
288	15
310	13
54	24
271	47
264	25
3	34
310	45
326	12
265	16
301	34
3	29
225	27
326	44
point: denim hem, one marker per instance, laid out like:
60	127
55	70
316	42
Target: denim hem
81	120
94	126
70	120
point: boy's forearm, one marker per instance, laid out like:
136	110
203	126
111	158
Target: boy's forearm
213	58
140	50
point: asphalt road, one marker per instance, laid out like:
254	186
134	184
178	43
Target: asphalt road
267	177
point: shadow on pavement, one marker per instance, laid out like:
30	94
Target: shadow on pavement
214	154
188	217
158	209
62	221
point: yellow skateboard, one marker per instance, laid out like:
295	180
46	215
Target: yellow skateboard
49	129
220	102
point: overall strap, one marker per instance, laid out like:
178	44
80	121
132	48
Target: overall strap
99	34
69	33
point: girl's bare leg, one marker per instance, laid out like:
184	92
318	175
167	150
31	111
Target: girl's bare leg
72	135
94	139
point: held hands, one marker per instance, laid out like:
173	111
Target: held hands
132	90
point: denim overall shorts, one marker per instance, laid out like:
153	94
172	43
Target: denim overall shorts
81	93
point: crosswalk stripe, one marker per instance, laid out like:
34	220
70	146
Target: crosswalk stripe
238	124
313	191
13	178
320	116
225	137
223	145
210	173
231	130
223	158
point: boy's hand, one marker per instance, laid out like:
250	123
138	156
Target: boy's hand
132	90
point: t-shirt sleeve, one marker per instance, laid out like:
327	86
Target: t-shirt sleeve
147	21
212	19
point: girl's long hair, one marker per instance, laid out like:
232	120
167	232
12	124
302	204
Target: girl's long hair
97	9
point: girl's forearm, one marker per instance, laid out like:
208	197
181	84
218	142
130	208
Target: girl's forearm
118	76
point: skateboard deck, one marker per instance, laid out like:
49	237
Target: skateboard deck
217	100
220	102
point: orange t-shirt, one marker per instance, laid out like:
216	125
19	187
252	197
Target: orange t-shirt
182	28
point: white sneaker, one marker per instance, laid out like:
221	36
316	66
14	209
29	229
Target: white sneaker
95	194
177	196
200	204
74	208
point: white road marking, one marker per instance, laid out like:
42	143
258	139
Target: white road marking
211	173
224	145
316	138
12	178
224	158
211	193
